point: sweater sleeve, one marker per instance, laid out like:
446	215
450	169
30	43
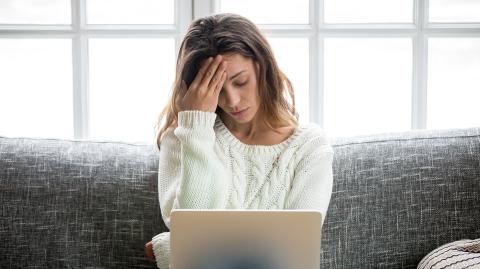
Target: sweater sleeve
313	180
190	174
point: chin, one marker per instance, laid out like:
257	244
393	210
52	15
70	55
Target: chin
242	120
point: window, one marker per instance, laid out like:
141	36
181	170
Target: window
454	11
103	69
454	82
375	65
87	69
368	11
367	84
125	85
36	87
136	12
35	12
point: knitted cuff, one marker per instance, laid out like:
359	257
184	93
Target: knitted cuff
161	249
196	118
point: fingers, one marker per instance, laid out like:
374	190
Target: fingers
199	77
149	251
183	88
219	85
218	77
203	92
213	72
181	94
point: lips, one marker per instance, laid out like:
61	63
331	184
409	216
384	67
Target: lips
238	113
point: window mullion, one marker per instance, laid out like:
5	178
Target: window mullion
420	72
203	8
80	71
316	90
183	18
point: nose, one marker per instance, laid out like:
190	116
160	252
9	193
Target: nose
232	98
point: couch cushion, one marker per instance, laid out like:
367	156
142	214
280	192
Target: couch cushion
68	203
77	204
398	196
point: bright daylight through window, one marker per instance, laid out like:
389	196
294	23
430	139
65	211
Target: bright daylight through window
103	69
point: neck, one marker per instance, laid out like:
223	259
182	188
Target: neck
248	130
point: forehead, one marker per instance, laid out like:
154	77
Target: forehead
238	61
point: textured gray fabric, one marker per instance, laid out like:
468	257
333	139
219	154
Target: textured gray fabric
80	204
72	204
396	197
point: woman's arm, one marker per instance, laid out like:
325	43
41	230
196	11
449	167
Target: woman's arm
313	180
190	174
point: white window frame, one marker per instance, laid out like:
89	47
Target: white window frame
80	32
317	30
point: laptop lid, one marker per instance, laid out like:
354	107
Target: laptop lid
245	239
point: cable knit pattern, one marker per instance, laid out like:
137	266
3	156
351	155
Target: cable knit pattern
202	165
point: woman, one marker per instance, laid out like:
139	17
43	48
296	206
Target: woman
230	138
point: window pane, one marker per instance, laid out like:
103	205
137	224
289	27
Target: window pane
367	85
454	10
130	11
269	11
296	68
453	82
130	80
368	11
35	12
36	97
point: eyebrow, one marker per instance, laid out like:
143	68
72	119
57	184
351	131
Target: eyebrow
237	74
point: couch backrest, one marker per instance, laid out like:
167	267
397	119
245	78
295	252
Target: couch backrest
398	196
73	204
395	198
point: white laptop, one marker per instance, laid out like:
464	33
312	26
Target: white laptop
245	239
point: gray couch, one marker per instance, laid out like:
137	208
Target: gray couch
85	204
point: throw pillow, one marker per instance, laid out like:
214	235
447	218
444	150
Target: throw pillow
458	254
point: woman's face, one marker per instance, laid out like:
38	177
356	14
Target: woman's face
240	90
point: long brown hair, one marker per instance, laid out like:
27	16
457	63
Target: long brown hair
228	33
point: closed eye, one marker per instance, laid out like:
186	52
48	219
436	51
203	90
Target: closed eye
241	84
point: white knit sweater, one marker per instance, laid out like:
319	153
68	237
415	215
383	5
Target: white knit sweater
203	165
